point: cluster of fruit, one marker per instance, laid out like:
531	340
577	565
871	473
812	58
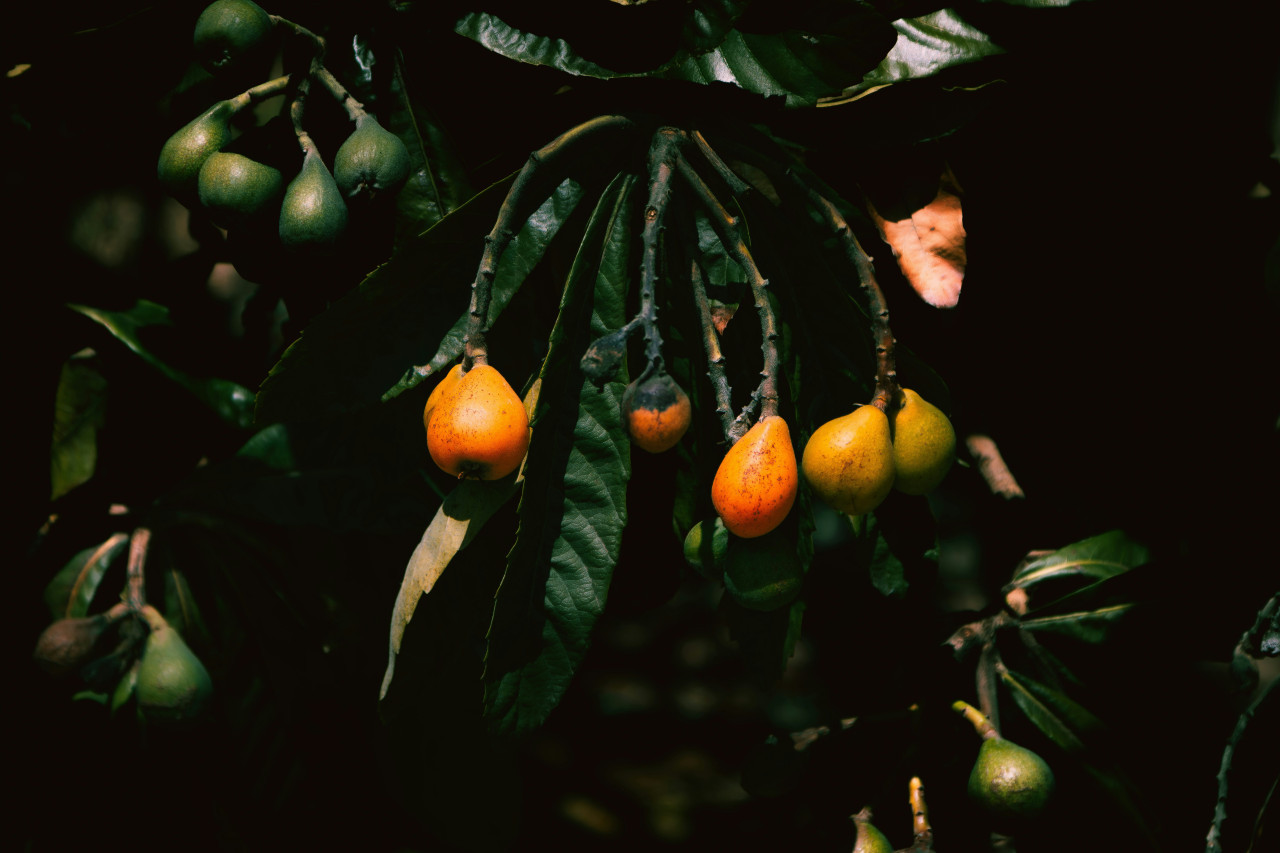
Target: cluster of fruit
235	188
170	683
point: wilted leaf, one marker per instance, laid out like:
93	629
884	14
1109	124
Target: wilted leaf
71	591
78	415
929	245
231	401
460	517
574	505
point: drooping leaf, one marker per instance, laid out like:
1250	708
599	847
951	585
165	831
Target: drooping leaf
1097	557
1091	626
180	608
79	412
459	519
925	46
801	63
411	310
888	575
231	401
573	510
929	245
72	589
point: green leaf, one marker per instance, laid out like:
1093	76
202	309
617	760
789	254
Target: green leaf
888	575
573	510
926	46
1098	557
1091	626
411	310
78	415
1033	705
802	63
71	591
232	402
460	517
181	610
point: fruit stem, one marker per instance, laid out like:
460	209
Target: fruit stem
919	816
726	227
662	156
985	677
355	109
260	92
736	185
298	29
715	358
135	588
886	364
541	173
980	723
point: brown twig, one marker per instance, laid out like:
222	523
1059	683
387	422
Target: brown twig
711	344
135	590
992	467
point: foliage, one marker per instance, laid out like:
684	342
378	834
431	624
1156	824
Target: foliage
702	189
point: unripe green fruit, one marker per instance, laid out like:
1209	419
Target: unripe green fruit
1009	781
870	839
233	187
764	572
228	30
371	160
173	684
313	212
705	546
924	444
186	151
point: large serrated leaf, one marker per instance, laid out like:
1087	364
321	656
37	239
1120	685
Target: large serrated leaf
573	511
411	310
1102	556
79	413
231	401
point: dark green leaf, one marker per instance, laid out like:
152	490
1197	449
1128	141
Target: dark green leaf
573	510
411	310
888	575
767	639
1098	557
926	46
181	610
1091	626
78	415
1041	705
232	402
71	591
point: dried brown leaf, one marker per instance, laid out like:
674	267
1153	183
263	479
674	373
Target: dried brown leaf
929	245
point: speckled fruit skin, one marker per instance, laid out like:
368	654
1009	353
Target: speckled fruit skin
233	187
1009	781
755	486
479	430
228	30
924	444
372	159
849	461
185	152
658	413
445	386
313	213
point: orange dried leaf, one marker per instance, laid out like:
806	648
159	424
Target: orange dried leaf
929	245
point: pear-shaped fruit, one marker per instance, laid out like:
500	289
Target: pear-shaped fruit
849	461
755	485
65	644
313	213
657	412
173	684
228	30
233	187
185	152
705	546
924	444
479	430
763	573
371	160
1009	781
443	387
870	839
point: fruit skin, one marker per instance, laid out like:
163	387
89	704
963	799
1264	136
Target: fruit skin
66	643
443	387
479	430
371	160
185	152
173	684
870	839
228	30
763	573
849	461
657	411
233	187
705	546
755	485
1009	781
313	212
924	444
